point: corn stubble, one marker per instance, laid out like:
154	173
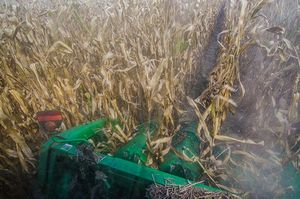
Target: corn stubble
128	60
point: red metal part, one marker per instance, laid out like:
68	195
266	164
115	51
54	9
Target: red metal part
49	120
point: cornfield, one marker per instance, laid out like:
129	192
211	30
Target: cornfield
142	60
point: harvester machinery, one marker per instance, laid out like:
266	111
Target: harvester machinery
71	167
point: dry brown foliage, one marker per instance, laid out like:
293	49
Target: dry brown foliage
129	60
93	59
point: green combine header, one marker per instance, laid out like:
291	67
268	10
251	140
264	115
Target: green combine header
70	167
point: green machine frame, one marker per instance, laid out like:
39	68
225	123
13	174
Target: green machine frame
68	158
62	155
